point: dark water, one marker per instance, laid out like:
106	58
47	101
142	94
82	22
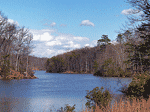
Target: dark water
52	91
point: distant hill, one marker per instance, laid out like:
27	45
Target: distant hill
37	63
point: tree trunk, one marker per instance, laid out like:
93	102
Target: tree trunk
27	66
17	61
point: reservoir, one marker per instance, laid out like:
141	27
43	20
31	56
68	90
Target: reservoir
51	91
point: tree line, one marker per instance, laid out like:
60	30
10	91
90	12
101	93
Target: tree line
37	63
99	59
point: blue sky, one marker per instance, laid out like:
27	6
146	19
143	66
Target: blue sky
62	25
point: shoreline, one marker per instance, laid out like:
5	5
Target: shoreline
17	75
18	78
70	72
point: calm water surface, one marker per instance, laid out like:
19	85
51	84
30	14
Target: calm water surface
52	91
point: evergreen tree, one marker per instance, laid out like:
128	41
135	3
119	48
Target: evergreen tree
95	66
103	41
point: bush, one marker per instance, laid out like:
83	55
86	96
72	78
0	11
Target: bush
96	96
139	87
67	108
128	74
120	72
30	72
98	73
110	72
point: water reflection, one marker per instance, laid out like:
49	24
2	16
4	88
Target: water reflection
41	105
13	104
35	104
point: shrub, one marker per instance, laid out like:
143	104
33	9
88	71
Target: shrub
120	72
30	72
98	73
128	74
139	87
95	67
110	72
67	108
97	97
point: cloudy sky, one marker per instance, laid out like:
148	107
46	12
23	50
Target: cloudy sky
62	25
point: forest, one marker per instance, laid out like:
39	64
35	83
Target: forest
131	53
15	47
103	59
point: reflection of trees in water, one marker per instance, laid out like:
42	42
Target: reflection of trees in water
7	104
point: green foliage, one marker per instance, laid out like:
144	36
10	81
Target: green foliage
110	68
55	64
107	62
120	72
110	72
139	50
5	67
95	66
97	96
128	74
99	72
68	108
120	38
105	40
139	87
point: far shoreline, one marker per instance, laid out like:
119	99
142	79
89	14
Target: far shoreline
71	72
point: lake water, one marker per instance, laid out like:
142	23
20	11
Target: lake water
51	91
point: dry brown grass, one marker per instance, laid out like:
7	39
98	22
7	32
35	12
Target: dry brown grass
125	106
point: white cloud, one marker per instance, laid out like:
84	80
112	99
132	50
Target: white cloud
40	49
114	42
81	38
53	43
73	45
49	43
13	22
42	35
87	45
36	37
61	51
77	46
49	51
93	43
129	11
52	24
86	23
46	37
61	37
40	32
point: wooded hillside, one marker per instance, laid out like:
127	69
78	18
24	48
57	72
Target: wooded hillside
37	63
105	58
